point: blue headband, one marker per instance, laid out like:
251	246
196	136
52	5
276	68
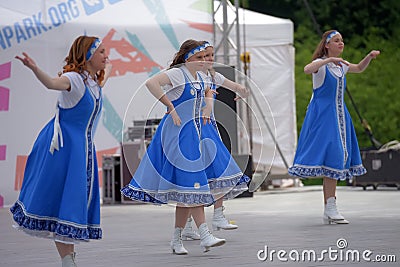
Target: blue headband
329	37
93	49
193	51
207	44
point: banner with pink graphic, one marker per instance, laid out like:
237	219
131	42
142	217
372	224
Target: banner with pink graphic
141	38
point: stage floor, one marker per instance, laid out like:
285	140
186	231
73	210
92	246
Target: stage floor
280	219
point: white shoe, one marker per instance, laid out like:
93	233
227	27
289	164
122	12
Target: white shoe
188	233
207	238
220	222
176	243
69	260
331	214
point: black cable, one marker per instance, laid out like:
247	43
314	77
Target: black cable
375	143
316	25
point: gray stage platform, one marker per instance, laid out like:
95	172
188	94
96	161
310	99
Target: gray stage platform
281	219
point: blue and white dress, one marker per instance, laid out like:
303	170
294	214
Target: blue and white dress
327	143
187	165
60	198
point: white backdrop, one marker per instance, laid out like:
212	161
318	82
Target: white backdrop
269	40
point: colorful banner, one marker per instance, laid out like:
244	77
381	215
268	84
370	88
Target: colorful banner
141	39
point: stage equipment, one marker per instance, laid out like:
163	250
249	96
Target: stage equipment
225	112
383	167
111	179
143	129
118	170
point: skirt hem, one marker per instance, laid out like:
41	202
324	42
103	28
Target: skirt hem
304	171
51	228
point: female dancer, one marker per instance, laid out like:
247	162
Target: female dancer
328	144
59	198
215	80
186	162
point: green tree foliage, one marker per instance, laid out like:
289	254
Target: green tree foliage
365	25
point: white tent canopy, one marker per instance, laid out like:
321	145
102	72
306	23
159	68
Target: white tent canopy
269	40
262	29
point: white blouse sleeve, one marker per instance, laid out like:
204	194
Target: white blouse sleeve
345	68
69	99
177	79
219	79
318	77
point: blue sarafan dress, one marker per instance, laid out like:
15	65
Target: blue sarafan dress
187	165
59	198
327	143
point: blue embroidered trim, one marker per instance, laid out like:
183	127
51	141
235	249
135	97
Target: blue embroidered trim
138	194
239	188
340	114
199	100
214	124
89	167
235	192
321	171
238	185
237	179
50	225
165	198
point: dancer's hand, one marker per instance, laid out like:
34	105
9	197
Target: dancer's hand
107	72
108	67
214	92
374	53
206	114
338	61
175	117
242	92
27	61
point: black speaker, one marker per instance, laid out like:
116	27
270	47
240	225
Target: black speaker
111	179
245	163
225	111
382	169
130	159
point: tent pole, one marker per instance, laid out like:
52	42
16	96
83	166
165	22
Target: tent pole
246	63
225	43
225	32
238	48
270	131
